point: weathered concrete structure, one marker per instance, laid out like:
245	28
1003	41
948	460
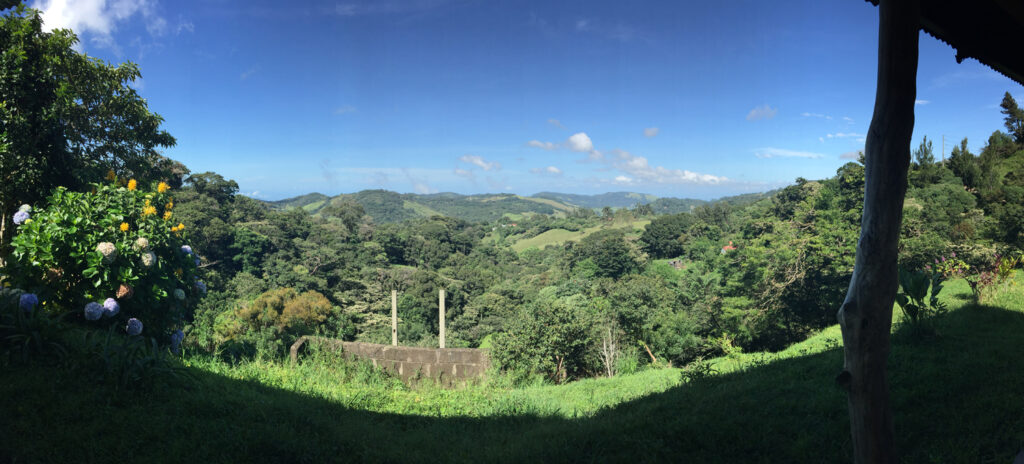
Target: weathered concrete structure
447	366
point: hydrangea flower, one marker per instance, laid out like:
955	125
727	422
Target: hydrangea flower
197	261
186	249
110	307
20	217
25	208
108	251
201	287
179	294
176	337
141	244
93	311
148	259
134	327
28	301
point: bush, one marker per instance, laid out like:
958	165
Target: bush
277	317
114	251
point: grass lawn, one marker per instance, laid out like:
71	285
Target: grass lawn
958	396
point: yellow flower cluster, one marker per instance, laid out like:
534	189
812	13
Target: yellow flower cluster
124	227
132	184
162	187
110	175
178	228
167	215
148	210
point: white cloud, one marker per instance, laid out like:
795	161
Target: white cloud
580	142
419	185
99	18
821	139
851	155
543	145
815	115
623	180
841	135
550	170
641	171
783	153
184	26
921	102
464	173
556	123
481	163
762	112
651	131
848	119
345	109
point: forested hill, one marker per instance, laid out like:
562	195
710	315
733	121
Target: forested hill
611	199
385	206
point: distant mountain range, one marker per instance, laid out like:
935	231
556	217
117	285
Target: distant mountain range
388	206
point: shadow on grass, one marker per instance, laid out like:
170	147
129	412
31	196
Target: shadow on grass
958	397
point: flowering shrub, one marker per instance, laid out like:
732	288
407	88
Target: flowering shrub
113	254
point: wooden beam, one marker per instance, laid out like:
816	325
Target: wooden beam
866	313
394	317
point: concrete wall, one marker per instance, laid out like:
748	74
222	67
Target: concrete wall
447	366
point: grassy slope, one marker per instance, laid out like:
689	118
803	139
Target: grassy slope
957	397
560	236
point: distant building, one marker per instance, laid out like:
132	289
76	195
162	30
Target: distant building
728	248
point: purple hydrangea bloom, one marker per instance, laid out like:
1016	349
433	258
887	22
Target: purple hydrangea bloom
27	302
201	287
111	307
197	261
176	337
20	217
134	327
186	249
93	311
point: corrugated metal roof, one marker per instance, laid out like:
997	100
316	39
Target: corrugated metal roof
990	31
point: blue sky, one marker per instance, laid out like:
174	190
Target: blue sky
684	99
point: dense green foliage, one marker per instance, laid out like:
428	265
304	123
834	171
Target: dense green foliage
68	118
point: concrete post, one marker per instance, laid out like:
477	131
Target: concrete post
394	317
440	315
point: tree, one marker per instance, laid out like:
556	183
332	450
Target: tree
964	166
662	238
1013	118
68	118
924	170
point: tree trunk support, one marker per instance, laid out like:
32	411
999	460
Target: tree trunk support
440	316
866	313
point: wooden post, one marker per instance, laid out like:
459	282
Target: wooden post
866	313
394	317
440	316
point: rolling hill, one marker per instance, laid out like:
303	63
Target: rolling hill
387	206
